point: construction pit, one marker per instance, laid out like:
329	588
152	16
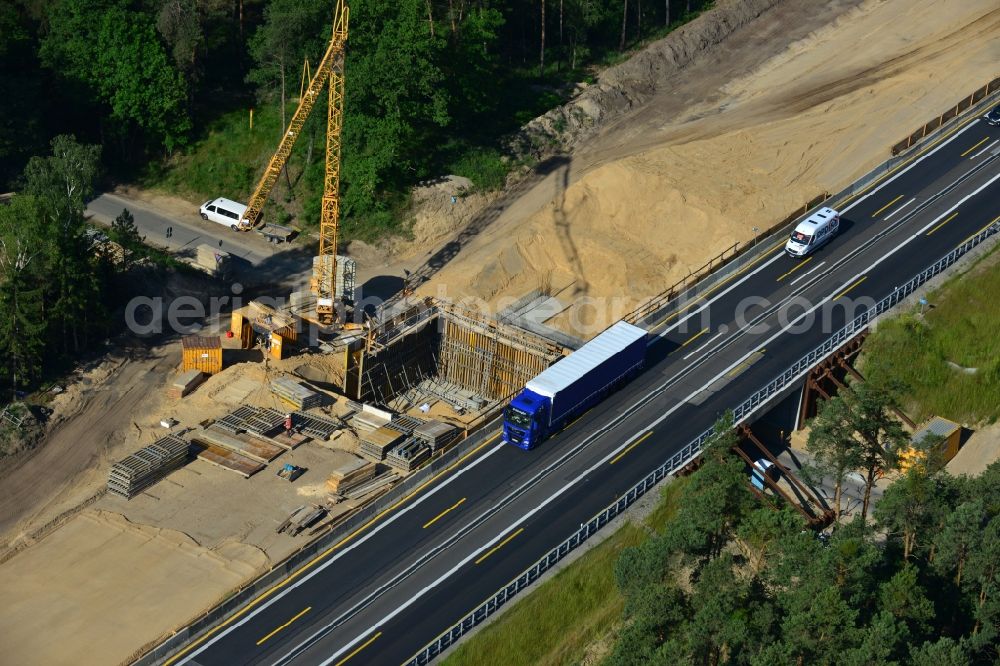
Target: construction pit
377	403
727	142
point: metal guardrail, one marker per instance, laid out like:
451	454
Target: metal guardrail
948	115
680	294
150	655
691	451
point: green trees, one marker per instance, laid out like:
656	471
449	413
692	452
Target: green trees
50	287
857	430
114	54
730	581
22	322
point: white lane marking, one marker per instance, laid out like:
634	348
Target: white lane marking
333	558
704	344
985	149
950	210
216	638
900	208
628	442
719	295
842	211
915	162
811	270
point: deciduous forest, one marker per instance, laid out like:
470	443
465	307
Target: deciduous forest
433	86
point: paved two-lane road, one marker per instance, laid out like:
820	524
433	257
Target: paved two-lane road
277	269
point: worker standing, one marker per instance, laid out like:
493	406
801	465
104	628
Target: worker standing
288	424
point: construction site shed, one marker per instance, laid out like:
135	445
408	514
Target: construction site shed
948	432
201	353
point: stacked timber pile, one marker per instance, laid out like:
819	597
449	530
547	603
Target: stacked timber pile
436	434
376	443
186	382
371	488
296	394
139	471
408	455
349	476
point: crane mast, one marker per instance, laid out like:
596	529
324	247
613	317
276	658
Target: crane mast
329	72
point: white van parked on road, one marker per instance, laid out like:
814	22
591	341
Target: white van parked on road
224	211
813	232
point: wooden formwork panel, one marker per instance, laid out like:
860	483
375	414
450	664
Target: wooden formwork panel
485	364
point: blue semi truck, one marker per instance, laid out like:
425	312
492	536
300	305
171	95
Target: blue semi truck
574	384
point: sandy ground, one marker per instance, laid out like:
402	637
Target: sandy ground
979	452
97	418
77	590
781	123
657	195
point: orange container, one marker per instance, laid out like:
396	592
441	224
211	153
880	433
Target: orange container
201	353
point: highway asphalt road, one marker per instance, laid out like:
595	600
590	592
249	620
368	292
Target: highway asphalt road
388	589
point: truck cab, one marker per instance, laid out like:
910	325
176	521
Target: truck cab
525	419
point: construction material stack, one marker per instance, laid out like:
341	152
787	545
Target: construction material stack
185	382
409	455
142	469
378	442
436	434
349	476
296	394
201	353
317	427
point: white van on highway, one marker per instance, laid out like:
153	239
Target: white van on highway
813	232
224	211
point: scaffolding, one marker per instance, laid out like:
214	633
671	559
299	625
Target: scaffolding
427	348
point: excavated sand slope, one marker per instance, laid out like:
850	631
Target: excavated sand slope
651	206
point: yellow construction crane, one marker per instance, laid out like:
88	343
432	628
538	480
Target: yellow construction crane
330	71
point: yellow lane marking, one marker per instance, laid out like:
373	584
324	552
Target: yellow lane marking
851	287
694	337
573	422
797	267
756	356
630	447
764	255
442	514
905	163
876	213
499	545
359	649
311	563
985	139
300	614
995	219
949	219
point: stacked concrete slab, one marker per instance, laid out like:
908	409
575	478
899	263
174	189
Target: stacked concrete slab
142	469
185	382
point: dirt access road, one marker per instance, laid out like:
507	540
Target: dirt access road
94	416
